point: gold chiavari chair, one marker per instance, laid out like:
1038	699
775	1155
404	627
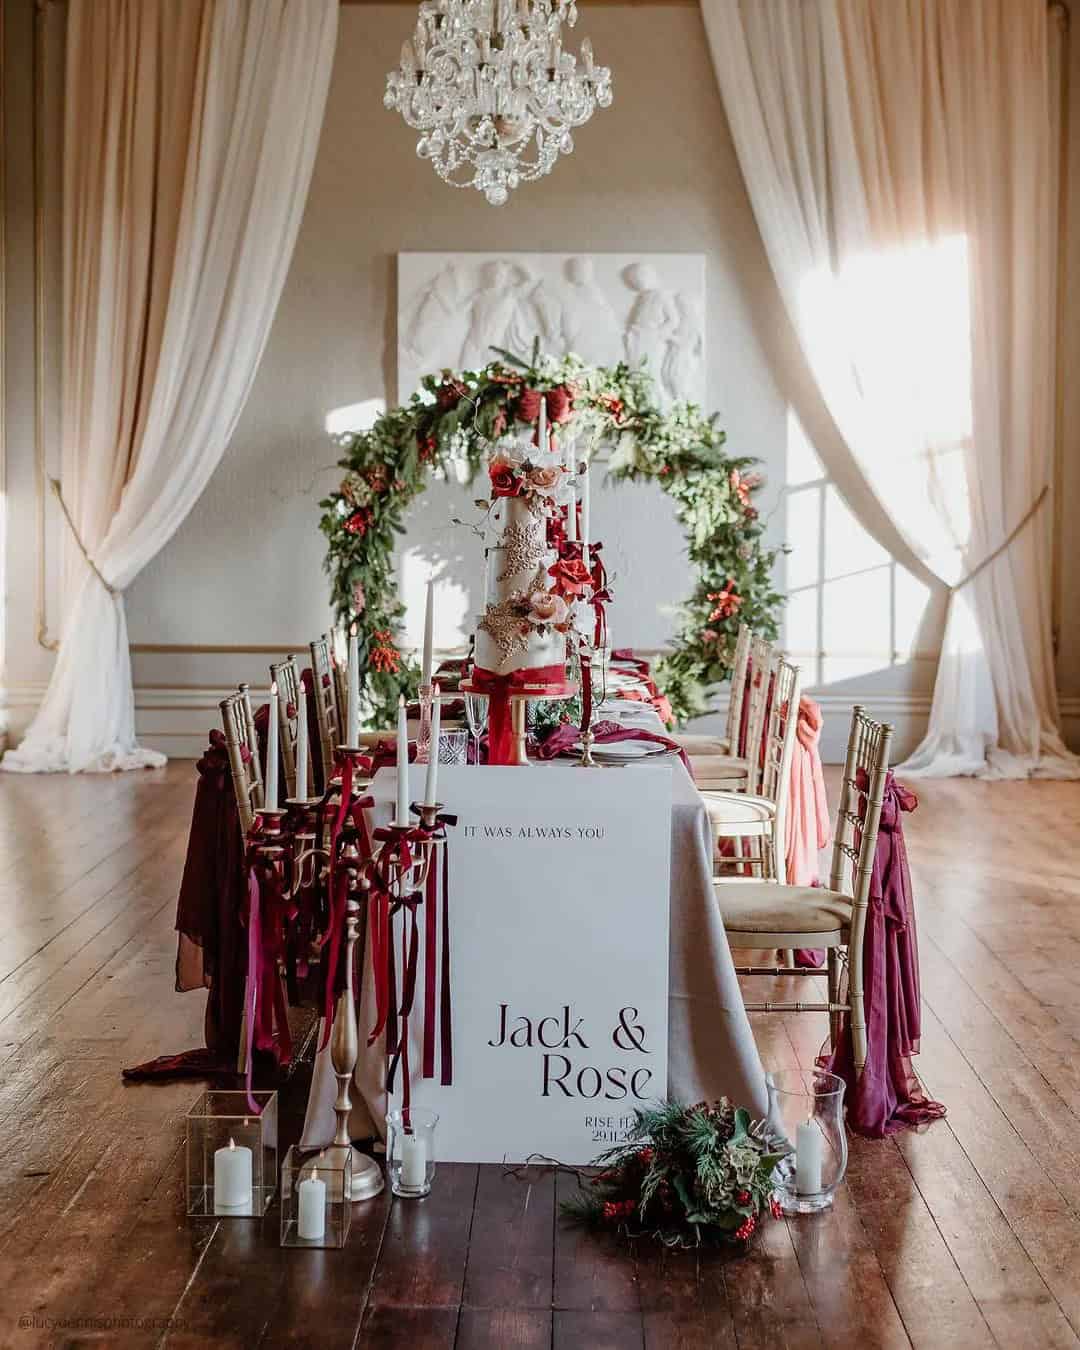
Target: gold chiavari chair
787	917
238	724
326	704
286	676
729	765
760	817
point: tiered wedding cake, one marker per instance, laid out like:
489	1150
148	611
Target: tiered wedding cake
523	629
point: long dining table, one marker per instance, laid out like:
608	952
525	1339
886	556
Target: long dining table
711	1049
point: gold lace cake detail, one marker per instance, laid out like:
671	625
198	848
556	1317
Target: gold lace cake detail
522	547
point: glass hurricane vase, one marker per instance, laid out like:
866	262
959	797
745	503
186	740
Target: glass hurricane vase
808	1111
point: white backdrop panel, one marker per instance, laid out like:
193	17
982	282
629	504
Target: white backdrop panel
607	307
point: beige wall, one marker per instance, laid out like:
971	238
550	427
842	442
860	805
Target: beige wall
656	172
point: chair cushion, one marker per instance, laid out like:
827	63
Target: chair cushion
738	808
718	770
695	744
764	908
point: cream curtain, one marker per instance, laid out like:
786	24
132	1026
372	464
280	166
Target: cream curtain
897	157
190	136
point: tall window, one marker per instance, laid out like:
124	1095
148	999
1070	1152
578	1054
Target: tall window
851	609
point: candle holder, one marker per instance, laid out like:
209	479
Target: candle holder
807	1111
365	1174
316	1205
308	860
423	735
410	1151
231	1155
586	761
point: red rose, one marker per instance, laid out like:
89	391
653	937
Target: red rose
427	446
528	405
504	481
572	578
560	404
449	394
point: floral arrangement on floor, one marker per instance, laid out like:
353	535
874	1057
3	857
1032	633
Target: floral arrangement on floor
451	425
688	1176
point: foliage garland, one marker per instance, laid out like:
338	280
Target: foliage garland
687	1176
452	424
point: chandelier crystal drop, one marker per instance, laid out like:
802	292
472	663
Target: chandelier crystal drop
493	94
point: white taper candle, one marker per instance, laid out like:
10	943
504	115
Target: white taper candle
402	764
541	426
270	795
301	746
429	632
352	675
585	505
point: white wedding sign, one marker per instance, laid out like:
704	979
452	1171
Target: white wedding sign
453	308
559	884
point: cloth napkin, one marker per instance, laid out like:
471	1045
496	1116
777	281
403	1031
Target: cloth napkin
566	737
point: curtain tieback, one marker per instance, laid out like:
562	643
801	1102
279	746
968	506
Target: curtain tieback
1028	515
55	484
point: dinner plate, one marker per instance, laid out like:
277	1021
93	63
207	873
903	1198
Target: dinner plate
627	750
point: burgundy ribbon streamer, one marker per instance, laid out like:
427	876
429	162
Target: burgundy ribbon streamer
394	1003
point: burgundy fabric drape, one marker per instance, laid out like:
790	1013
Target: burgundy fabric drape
888	1095
211	948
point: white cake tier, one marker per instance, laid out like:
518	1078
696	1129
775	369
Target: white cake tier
548	649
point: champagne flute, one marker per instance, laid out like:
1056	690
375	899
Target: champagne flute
476	714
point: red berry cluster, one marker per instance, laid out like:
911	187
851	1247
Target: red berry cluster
775	1208
745	1230
618	1209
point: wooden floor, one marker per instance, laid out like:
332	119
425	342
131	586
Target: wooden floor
965	1235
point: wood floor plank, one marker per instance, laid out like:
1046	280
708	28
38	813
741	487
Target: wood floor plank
511	1258
592	1270
426	1245
506	1328
601	1329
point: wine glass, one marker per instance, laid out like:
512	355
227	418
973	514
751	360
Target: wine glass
476	714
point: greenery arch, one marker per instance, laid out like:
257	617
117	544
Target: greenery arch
453	423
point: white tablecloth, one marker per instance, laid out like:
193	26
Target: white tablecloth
711	1050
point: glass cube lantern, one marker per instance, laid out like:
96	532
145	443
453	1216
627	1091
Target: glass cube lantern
315	1205
232	1155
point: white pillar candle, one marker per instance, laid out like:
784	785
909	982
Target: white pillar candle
541	426
311	1219
301	746
270	796
402	764
413	1161
429	632
571	516
808	1157
232	1177
432	783
352	675
585	509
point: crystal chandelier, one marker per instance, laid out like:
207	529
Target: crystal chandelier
493	94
